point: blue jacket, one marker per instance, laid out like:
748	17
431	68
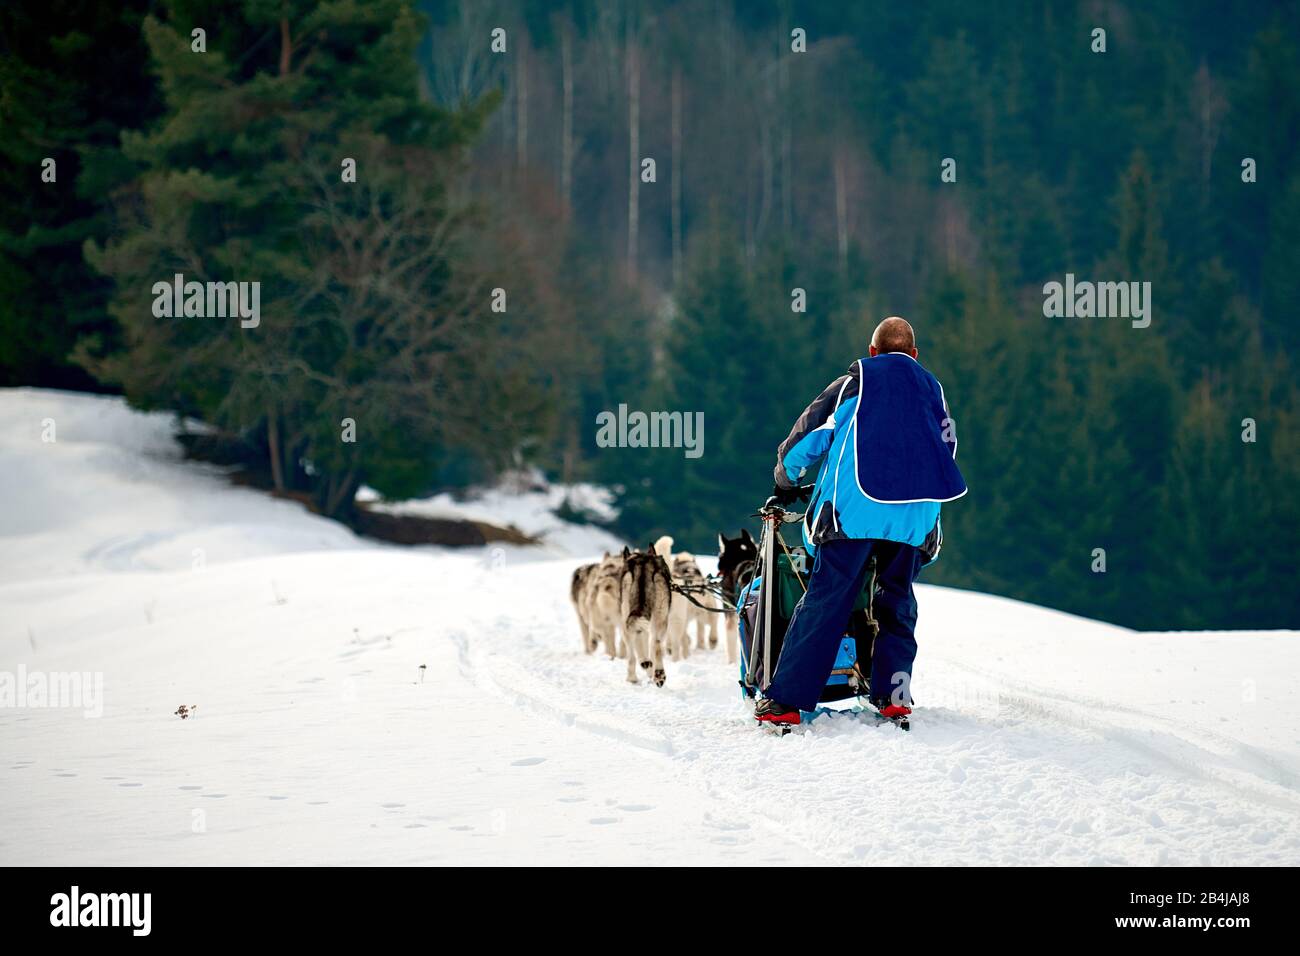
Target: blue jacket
889	444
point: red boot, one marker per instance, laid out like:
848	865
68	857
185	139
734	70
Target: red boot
770	712
894	711
899	714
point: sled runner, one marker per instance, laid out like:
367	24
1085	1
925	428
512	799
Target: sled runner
764	615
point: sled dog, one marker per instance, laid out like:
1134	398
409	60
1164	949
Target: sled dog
736	561
646	598
599	603
682	612
578	588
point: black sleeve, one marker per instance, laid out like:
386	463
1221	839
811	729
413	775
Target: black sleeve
813	417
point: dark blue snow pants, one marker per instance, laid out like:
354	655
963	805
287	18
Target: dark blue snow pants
822	616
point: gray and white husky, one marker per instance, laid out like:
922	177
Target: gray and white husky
596	593
578	597
684	612
646	603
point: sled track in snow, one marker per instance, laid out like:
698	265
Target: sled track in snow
506	679
1044	766
1250	768
510	686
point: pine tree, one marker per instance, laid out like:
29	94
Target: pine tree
72	77
708	369
376	355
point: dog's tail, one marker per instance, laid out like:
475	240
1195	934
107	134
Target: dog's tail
664	548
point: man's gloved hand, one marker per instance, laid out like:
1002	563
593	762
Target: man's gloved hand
781	497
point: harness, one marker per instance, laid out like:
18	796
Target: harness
712	585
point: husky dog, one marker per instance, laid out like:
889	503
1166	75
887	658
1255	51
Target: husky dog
679	609
599	604
708	625
578	587
684	611
737	558
646	599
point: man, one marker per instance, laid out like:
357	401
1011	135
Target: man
889	444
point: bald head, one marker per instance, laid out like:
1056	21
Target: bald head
893	335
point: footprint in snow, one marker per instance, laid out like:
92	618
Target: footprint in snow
635	807
189	786
392	806
528	762
726	825
130	785
602	821
213	796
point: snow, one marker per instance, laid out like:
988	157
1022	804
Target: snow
361	703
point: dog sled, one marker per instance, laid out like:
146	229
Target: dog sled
764	615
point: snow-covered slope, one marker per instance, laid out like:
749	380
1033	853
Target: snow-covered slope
111	493
369	704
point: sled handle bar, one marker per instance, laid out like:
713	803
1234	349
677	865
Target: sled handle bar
778	514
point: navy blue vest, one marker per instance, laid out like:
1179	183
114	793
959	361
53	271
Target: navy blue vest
899	433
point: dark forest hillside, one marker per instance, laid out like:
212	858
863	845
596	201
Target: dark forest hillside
940	161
